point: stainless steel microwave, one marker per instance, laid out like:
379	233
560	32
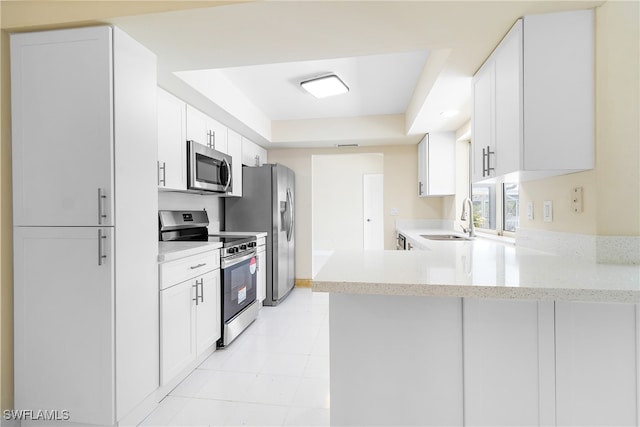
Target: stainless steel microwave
208	169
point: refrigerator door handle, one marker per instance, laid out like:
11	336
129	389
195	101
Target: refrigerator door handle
101	255
290	210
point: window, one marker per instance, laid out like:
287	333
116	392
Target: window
511	207
496	207
483	197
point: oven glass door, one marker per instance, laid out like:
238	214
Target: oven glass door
239	285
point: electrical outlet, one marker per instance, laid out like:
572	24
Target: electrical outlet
530	211
395	212
576	200
547	211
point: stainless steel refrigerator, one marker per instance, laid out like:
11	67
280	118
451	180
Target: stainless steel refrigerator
267	204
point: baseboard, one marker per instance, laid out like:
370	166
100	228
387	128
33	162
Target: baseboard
303	283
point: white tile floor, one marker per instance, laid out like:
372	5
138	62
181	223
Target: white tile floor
275	373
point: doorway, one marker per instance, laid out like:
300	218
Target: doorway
338	203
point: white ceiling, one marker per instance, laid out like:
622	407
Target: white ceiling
409	59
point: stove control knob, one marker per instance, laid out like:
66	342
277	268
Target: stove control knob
243	247
252	244
232	250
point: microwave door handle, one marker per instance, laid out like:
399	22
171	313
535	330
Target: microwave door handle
228	166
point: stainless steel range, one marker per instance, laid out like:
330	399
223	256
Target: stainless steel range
237	265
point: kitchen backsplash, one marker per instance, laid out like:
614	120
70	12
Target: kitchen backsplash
600	249
185	201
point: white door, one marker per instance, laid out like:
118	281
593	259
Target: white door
177	329
62	125
172	142
64	315
372	200
208	328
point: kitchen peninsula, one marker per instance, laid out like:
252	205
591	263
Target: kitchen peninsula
481	333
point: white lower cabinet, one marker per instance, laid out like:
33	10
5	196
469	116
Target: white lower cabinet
546	363
508	362
597	364
190	320
395	360
64	321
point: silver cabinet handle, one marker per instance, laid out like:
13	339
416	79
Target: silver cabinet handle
420	188
101	255
196	286
484	162
489	168
193	267
199	298
101	199
162	181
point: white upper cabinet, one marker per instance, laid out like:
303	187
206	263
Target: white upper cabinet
437	164
62	169
533	99
252	153
234	149
172	142
205	130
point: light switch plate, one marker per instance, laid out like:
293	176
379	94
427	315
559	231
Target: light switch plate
395	212
547	211
530	211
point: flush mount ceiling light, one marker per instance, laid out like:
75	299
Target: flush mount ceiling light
323	86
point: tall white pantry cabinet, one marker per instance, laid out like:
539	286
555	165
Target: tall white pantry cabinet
85	223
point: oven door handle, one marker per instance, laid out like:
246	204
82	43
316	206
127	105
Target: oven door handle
233	261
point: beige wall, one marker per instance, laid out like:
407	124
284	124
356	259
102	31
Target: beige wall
400	192
612	190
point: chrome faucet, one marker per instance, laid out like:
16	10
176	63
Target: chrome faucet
471	230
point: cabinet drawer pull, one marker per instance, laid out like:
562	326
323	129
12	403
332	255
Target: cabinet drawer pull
101	198
162	181
101	255
193	267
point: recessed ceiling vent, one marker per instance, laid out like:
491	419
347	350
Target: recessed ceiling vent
347	145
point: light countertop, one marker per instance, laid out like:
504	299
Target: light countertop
480	269
169	251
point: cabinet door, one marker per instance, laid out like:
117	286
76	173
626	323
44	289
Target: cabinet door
505	374
508	103
597	363
219	136
177	329
172	146
252	153
422	166
441	164
234	149
64	321
208	318
482	120
62	127
197	127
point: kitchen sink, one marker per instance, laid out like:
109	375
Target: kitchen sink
447	237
